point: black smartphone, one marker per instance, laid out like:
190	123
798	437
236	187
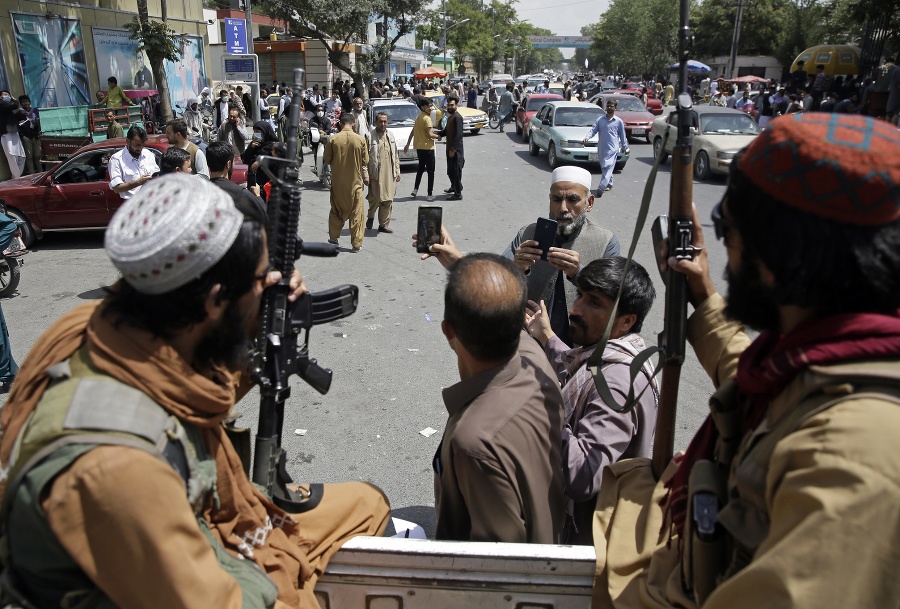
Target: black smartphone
545	235
429	228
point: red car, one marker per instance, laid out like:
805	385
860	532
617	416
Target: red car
75	194
631	110
528	107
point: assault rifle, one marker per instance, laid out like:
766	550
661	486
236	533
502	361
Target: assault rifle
282	346
679	229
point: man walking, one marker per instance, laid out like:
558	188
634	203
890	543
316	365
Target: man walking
30	132
456	159
131	167
143	381
176	133
577	239
348	156
384	174
423	137
610	130
796	462
506	105
595	435
471	95
361	126
231	132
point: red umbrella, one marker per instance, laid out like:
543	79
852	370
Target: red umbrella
430	72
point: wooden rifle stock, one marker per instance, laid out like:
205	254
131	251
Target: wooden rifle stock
673	336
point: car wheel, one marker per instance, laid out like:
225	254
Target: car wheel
9	277
27	232
701	166
551	156
474	131
533	149
658	152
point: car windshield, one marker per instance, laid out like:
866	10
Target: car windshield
631	104
535	82
399	115
535	104
577	117
437	100
727	124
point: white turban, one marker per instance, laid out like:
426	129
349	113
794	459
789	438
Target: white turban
570	173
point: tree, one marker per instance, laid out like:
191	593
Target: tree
637	36
339	25
160	43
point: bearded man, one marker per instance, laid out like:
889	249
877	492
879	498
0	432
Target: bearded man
123	485
578	242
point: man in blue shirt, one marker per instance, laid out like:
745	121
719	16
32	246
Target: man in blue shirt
611	130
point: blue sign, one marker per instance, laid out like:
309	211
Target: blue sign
236	37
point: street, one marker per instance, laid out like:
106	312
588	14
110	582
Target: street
390	359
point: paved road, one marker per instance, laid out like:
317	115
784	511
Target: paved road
390	360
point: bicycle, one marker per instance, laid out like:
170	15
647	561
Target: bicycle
493	116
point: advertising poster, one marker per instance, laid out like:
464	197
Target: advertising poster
118	55
187	77
51	54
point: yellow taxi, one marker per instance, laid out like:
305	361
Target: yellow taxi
473	119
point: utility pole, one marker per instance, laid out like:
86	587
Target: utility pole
732	72
444	52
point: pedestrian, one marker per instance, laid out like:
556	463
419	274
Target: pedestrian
456	158
131	167
11	114
422	137
247	103
796	459
384	174
551	277
177	135
361	126
799	78
333	103
163	483
505	107
30	132
348	156
220	157
174	160
221	109
231	132
610	130
346	98
113	128
115	96
8	366
471	96
261	143
669	94
262	105
323	125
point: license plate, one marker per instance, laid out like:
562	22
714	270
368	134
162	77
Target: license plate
638	131
478	125
592	156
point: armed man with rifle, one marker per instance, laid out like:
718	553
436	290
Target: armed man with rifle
122	485
788	494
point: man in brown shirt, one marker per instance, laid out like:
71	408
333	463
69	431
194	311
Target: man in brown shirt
498	470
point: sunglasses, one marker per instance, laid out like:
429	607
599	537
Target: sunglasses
720	224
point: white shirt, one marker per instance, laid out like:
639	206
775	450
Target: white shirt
124	168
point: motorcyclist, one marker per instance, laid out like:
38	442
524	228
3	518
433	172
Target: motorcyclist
193	118
318	121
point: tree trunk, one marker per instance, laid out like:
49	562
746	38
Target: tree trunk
156	62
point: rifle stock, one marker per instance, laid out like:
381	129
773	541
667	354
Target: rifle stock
673	336
282	345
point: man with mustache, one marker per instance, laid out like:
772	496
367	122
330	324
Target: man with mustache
578	241
787	495
594	434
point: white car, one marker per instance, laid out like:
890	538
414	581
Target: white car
719	135
401	119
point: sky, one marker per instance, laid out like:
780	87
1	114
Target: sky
562	17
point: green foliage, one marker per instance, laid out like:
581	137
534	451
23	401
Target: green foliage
156	39
636	37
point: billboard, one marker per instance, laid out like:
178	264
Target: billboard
118	55
547	42
51	55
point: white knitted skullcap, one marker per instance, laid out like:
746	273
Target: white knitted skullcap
172	231
569	173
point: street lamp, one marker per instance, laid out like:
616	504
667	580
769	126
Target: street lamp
446	28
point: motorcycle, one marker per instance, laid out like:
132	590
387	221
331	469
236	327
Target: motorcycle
320	167
11	261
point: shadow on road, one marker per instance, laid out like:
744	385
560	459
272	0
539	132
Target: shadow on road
81	240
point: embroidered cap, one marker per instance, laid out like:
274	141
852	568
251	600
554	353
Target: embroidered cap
171	232
842	167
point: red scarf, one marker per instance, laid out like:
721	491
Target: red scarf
771	362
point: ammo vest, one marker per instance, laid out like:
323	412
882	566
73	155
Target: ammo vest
81	410
727	512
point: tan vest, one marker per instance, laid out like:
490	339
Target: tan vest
192	149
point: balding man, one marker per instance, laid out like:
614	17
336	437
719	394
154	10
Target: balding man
498	470
578	241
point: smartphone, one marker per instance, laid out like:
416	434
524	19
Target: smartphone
545	235
429	228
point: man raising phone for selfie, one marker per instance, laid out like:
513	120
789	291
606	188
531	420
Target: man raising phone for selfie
578	241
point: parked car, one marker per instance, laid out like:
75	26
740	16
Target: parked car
529	106
75	194
401	120
473	119
631	110
720	134
560	127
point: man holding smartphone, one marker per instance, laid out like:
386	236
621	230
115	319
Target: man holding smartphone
577	240
131	167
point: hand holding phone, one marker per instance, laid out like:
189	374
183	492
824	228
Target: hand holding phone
545	235
428	232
